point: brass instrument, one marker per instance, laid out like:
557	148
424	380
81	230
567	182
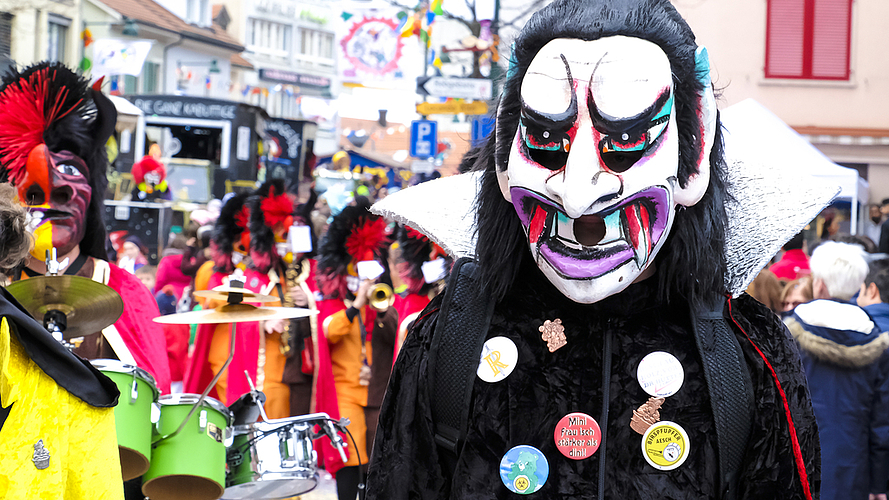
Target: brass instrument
381	297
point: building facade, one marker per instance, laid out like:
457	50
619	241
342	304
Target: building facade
38	30
817	64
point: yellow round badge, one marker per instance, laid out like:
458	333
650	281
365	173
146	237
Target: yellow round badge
665	445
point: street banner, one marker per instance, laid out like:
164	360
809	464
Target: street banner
119	57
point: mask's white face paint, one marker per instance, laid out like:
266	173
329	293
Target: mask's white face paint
592	168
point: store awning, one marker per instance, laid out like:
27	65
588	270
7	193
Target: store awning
127	114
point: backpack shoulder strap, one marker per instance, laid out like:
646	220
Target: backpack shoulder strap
730	387
454	354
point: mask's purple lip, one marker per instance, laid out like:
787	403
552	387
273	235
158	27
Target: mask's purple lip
643	218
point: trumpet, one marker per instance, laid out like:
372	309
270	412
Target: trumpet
380	297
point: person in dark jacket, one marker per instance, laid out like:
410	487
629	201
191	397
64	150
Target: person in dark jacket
874	293
847	365
599	217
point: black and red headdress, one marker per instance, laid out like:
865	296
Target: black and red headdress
231	231
416	250
353	236
47	103
271	215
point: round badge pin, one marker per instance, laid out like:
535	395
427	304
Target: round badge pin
524	469
665	445
660	374
498	359
577	436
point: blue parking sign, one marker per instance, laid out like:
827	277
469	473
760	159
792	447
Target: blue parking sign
424	138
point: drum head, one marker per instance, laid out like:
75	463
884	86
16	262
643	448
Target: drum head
182	487
132	463
298	483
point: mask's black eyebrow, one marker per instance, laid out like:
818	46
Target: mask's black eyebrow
639	123
561	120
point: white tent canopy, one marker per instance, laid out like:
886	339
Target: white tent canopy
748	124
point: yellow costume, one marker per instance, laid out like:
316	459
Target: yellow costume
80	439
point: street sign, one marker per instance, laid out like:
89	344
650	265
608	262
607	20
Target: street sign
424	138
452	108
461	88
482	126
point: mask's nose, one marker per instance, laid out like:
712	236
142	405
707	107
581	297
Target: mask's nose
583	183
36	184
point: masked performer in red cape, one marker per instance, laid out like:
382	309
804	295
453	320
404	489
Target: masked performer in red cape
53	130
599	343
361	339
423	267
250	236
57	434
231	246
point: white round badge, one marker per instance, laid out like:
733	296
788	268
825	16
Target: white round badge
498	359
660	374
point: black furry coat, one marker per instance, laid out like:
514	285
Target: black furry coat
525	407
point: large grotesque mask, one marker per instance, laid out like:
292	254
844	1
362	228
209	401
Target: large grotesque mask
53	130
592	168
55	188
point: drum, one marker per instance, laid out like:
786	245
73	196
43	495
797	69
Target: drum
189	465
271	460
132	415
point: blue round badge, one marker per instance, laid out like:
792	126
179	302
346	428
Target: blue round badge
524	469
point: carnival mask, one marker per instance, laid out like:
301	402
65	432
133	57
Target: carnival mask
592	169
55	188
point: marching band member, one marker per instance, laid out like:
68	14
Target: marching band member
355	241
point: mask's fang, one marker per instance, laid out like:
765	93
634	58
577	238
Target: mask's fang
638	226
537	225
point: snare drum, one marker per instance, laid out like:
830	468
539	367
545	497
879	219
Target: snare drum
271	460
132	415
191	464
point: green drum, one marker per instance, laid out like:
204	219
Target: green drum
191	464
132	415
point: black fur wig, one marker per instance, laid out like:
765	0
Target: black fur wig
230	225
50	104
692	262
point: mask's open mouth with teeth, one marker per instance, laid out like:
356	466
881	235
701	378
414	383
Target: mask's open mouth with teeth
39	216
594	244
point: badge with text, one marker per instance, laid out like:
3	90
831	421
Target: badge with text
577	436
524	469
498	360
665	445
660	374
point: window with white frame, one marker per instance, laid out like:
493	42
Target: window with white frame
57	31
316	47
268	38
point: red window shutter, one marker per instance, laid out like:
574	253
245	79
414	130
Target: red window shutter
830	40
785	39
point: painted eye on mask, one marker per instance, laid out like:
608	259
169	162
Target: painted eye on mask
68	169
620	151
546	146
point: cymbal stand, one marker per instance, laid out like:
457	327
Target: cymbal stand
233	298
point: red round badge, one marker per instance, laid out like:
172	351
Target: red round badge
577	436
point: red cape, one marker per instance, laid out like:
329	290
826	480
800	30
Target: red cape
198	373
143	337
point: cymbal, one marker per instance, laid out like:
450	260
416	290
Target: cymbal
89	306
223	291
234	313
